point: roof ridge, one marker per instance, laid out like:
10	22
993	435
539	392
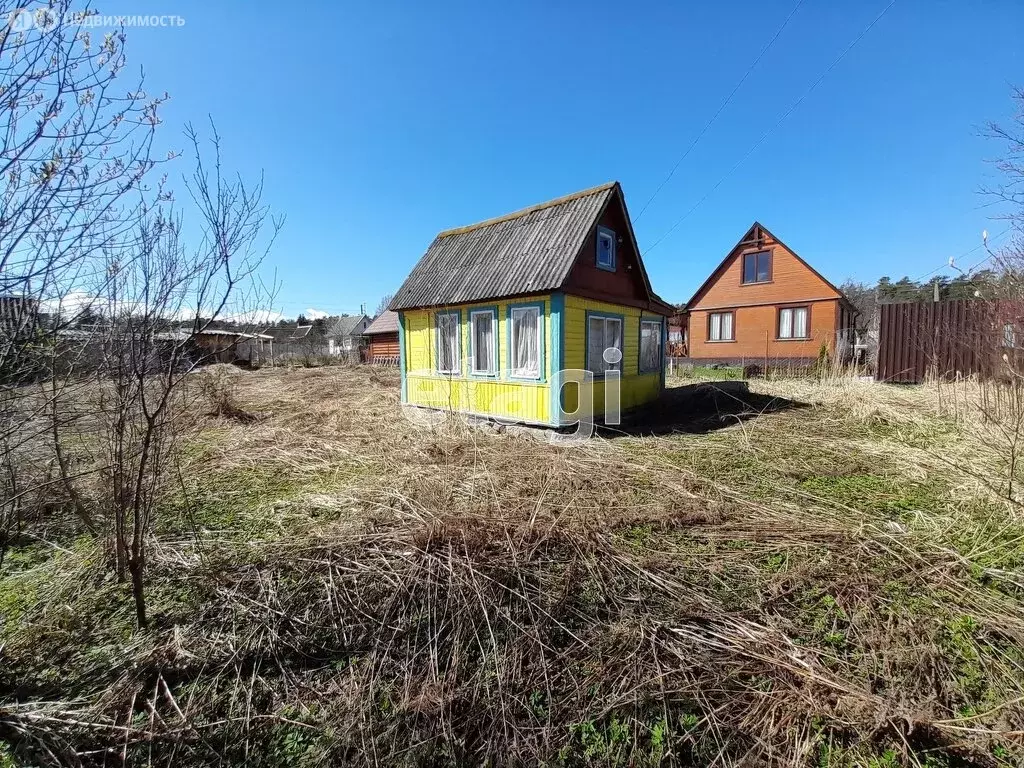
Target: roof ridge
525	211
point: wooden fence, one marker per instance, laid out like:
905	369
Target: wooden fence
948	339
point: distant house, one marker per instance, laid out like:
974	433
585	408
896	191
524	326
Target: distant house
224	346
383	339
765	304
296	341
344	333
493	311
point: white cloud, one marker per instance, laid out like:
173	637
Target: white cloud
75	302
316	314
71	304
255	317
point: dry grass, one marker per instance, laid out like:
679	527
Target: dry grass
838	584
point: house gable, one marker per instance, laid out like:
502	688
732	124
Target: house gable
792	279
627	283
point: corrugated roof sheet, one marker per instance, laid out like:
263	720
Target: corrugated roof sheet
529	251
346	325
387	322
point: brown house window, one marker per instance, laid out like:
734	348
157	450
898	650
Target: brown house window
757	267
794	323
720	326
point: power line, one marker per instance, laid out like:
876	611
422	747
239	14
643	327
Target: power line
947	265
721	108
774	127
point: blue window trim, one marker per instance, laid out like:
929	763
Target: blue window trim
542	330
586	341
493	312
403	357
437	343
640	344
664	351
557	353
597	249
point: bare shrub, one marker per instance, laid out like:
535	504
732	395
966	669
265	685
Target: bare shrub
218	384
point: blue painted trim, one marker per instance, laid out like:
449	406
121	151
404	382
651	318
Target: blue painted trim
615	257
403	357
557	354
640	343
586	341
664	345
470	311
437	348
541	328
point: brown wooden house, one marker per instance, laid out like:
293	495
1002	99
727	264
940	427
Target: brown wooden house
764	305
383	337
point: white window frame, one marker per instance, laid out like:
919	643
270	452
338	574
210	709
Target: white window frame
605	367
604	232
457	314
658	328
711	326
491	368
792	323
517	372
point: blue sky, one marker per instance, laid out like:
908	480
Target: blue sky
379	124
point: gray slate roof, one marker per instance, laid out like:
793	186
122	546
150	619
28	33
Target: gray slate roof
344	325
530	251
387	322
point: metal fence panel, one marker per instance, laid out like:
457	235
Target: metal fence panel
946	338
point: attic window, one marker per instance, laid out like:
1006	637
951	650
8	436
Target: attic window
605	249
757	267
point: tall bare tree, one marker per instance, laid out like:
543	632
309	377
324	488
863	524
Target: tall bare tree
383	304
75	162
158	304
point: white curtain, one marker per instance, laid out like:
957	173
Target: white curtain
613	339
721	326
595	345
650	346
605	333
525	342
800	323
448	347
785	323
483	342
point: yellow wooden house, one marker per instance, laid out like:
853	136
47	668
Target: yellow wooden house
494	314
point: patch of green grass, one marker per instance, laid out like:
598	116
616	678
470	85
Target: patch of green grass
615	740
824	619
250	500
959	642
707	373
875	492
924	434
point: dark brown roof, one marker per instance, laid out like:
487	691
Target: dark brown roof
386	322
529	251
